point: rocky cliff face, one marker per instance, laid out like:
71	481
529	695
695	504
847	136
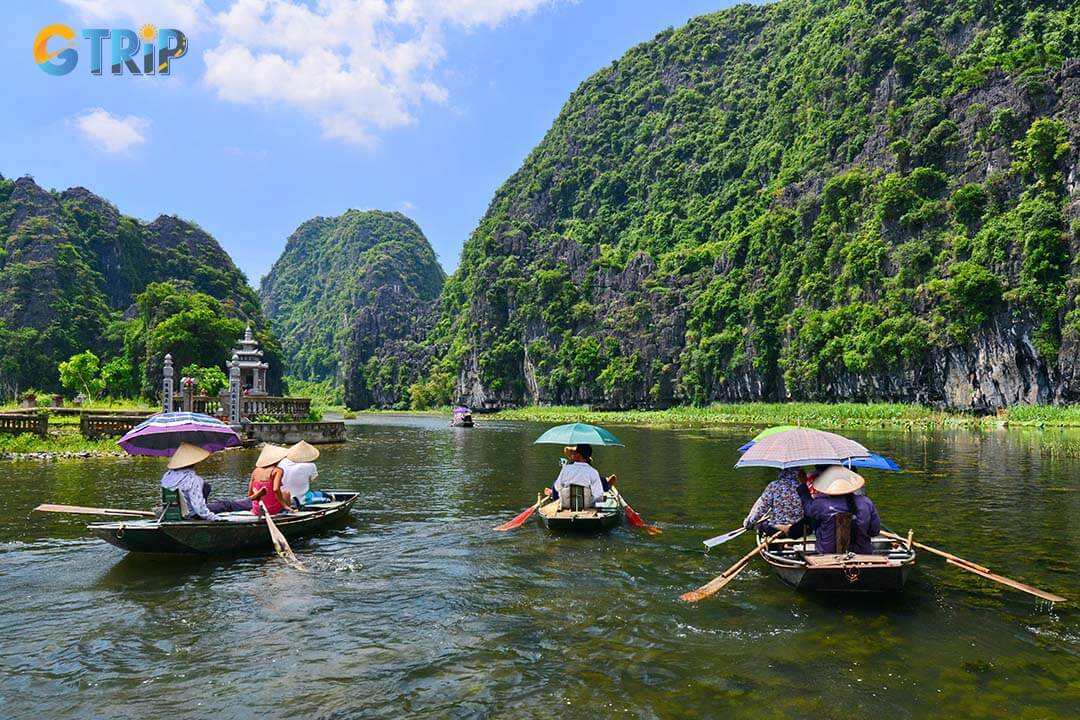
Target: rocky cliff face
352	297
801	200
70	266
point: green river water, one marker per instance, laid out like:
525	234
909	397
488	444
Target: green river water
416	608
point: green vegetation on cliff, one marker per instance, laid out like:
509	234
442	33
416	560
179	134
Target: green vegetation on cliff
77	275
807	199
347	295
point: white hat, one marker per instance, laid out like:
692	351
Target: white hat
271	455
187	455
838	480
303	452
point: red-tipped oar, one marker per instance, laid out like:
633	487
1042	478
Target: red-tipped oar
632	515
521	517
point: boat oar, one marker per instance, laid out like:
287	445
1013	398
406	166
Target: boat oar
632	516
521	517
721	539
281	545
980	570
80	510
727	576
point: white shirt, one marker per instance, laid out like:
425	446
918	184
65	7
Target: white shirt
580	474
298	477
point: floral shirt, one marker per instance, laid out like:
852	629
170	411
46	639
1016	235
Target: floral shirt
781	498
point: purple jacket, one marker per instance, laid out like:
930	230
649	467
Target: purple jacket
865	525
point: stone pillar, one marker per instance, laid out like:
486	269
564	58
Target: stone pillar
234	390
187	393
167	385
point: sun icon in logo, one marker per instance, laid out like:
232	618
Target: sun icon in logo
148	32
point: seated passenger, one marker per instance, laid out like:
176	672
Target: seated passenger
782	501
579	472
834	495
583	451
267	476
299	472
194	490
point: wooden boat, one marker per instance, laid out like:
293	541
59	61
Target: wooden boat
604	516
242	531
797	565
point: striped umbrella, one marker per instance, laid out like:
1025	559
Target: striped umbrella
872	461
801	446
161	434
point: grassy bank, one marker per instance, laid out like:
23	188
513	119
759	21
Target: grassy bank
59	442
821	415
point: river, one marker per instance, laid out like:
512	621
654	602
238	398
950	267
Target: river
416	608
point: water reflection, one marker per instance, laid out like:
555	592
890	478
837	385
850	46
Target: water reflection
417	607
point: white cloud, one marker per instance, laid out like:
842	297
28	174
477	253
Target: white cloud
357	66
184	15
109	132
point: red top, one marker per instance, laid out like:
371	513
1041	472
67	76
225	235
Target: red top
264	478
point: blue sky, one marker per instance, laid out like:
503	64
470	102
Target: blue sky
423	106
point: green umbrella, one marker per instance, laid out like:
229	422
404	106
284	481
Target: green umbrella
576	434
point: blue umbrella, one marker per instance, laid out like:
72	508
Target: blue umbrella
577	434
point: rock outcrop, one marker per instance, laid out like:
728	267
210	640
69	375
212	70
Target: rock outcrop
796	200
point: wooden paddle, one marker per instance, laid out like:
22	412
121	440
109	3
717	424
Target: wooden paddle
78	509
522	516
978	569
281	545
632	516
711	587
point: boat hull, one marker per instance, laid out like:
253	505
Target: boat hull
594	520
885	571
213	538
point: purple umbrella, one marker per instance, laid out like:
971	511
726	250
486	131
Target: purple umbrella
161	434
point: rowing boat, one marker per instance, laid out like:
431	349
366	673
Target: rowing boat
241	532
797	565
604	516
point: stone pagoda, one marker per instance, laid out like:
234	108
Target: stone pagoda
252	368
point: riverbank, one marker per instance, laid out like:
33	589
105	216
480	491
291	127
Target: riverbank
64	444
820	415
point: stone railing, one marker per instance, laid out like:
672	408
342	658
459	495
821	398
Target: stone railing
253	406
287	433
19	423
72	411
96	426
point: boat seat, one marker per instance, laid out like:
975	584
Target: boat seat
175	504
841	560
842	532
576	497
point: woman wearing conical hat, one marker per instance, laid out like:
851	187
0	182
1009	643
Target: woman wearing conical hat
267	476
835	493
181	477
300	472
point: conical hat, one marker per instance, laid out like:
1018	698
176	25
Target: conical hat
271	455
303	452
187	455
838	480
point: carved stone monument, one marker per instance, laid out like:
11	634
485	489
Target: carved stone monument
252	368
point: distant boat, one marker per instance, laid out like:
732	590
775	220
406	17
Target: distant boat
462	417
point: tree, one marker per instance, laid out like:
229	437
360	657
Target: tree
80	373
208	380
118	378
